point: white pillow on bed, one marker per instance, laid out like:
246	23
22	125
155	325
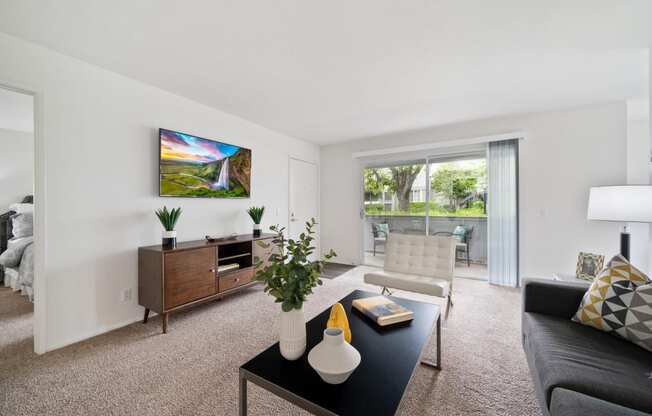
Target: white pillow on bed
14	253
22	225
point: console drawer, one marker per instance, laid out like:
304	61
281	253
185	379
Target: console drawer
234	279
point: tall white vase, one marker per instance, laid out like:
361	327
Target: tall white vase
293	334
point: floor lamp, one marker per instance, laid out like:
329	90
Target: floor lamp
626	203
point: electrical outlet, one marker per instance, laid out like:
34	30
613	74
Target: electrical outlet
125	296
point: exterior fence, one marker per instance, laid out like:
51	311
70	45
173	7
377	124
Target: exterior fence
417	225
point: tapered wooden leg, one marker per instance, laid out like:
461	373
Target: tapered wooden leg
165	323
146	316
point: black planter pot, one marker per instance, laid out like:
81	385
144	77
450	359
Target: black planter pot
170	242
169	239
256	230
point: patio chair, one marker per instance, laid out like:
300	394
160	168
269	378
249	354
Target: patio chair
463	236
380	231
417	263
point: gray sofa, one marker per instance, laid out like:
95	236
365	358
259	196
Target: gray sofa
578	370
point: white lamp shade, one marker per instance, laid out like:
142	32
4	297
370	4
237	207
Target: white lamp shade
627	203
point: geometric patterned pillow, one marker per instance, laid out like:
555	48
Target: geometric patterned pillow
619	301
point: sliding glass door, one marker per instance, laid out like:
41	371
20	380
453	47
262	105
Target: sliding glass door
395	200
432	196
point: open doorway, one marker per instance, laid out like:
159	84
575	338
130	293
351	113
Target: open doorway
432	196
17	161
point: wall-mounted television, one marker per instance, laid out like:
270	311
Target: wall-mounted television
195	167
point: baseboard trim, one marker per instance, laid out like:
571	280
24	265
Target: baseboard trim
95	333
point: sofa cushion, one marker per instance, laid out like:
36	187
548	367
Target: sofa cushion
571	403
410	282
575	357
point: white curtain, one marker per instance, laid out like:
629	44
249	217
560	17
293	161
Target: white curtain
502	212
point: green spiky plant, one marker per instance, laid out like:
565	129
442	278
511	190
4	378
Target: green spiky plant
168	218
291	276
256	214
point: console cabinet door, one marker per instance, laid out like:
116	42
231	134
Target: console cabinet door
189	275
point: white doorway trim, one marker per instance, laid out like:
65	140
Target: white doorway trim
40	246
318	192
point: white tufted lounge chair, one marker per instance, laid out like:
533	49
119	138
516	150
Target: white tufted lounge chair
417	263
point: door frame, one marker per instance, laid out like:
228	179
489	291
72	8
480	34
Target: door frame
39	321
316	165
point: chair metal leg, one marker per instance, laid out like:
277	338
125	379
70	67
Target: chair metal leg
468	259
374	247
449	305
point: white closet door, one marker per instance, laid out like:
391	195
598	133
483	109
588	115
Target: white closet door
304	197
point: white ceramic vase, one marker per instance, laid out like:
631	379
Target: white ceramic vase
256	230
293	334
333	358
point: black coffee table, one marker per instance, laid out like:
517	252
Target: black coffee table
389	357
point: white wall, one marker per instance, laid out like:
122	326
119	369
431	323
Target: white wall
565	153
16	166
97	188
638	173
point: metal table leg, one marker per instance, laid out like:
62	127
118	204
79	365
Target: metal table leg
428	363
242	398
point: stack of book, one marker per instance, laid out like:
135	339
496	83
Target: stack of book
382	310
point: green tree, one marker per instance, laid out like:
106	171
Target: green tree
402	179
376	180
454	184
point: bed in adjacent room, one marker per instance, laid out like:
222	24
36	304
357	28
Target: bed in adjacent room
17	248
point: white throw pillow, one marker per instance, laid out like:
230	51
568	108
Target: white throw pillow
22	225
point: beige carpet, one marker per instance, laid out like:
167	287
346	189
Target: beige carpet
193	369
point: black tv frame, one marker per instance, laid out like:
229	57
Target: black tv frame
198	197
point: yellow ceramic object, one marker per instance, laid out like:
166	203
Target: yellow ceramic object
338	319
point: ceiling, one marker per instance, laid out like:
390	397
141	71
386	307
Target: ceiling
16	111
328	71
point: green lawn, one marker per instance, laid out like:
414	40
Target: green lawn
419	209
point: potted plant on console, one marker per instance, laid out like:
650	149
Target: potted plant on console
290	277
256	214
169	219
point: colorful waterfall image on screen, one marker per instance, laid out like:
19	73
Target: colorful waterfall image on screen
191	166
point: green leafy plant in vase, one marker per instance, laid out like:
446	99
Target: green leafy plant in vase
169	220
290	276
256	214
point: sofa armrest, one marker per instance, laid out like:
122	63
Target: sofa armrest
551	297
